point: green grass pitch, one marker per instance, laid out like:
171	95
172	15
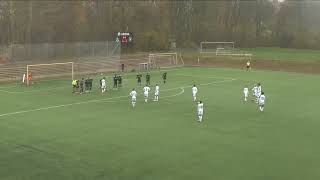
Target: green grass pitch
46	132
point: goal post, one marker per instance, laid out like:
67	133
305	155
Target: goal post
215	47
50	71
164	60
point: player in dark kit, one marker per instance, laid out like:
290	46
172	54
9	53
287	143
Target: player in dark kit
148	79
164	77
78	86
119	81
115	81
139	76
86	85
81	85
89	84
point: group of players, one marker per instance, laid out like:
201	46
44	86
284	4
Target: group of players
257	95
81	86
117	82
146	89
86	86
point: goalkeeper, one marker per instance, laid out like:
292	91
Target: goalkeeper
74	86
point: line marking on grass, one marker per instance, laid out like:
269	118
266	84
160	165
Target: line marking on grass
209	77
37	90
105	99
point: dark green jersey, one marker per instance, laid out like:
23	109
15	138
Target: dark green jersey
164	76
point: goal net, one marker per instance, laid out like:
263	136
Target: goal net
165	60
36	72
217	47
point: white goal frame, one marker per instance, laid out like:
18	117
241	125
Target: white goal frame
50	64
173	55
208	42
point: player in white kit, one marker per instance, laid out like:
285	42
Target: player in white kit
245	93
146	90
194	92
133	95
262	100
103	85
259	90
255	93
200	111
156	93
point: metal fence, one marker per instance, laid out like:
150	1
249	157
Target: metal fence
57	51
89	57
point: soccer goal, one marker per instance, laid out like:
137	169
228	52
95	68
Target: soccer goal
217	47
164	60
37	72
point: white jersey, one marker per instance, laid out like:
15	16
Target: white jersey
259	89
156	91
255	90
245	91
146	90
200	108
194	90
133	95
262	99
103	83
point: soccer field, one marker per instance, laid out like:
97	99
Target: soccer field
46	132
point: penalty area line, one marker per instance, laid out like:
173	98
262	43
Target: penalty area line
106	99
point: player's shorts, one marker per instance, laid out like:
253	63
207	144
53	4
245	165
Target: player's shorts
103	86
146	95
194	94
133	99
261	103
156	93
245	94
200	112
258	94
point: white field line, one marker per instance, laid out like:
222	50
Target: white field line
38	90
210	77
5	87
102	100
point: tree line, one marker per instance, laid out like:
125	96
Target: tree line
155	23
